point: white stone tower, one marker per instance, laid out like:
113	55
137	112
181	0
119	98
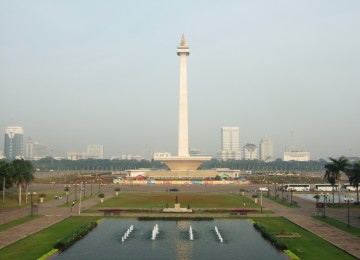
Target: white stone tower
183	149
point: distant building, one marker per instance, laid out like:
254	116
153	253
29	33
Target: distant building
161	155
296	156
230	144
74	156
95	151
14	142
250	152
131	157
34	150
266	150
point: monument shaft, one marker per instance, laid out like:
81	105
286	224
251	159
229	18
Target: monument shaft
183	146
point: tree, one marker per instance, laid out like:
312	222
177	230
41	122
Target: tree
334	169
354	177
23	174
5	175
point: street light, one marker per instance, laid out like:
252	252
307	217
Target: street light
31	201
67	194
75	191
84	189
348	210
261	201
91	182
99	185
325	199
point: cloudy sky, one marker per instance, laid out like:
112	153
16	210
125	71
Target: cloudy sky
74	73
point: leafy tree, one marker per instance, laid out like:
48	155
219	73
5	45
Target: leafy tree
334	169
23	174
354	177
5	175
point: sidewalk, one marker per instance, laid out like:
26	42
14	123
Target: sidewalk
302	217
50	214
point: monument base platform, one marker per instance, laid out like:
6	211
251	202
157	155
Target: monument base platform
177	209
176	163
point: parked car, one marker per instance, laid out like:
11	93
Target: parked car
174	189
263	189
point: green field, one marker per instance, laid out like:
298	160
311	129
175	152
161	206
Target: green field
194	200
40	243
308	246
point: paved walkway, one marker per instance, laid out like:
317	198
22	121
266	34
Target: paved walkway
302	217
51	214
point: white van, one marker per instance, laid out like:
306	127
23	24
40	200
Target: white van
263	189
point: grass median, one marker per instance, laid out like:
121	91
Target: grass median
355	231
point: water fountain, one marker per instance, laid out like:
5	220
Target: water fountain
155	232
127	233
191	233
218	234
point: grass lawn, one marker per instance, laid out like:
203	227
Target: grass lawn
194	200
308	246
16	222
40	243
283	202
355	231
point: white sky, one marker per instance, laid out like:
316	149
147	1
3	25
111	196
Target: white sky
74	73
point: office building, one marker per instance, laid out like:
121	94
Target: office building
14	142
266	150
230	144
95	151
35	150
250	152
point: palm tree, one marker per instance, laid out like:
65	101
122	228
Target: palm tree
334	169
5	174
23	174
354	177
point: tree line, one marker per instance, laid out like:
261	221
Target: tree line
18	172
49	163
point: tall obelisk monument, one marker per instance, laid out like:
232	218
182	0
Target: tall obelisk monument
183	149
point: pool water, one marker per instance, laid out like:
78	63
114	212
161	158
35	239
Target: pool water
240	241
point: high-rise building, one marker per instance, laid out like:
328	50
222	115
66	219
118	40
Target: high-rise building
230	144
266	150
35	150
250	152
95	151
14	142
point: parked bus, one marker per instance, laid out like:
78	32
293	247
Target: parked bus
348	187
326	187
296	187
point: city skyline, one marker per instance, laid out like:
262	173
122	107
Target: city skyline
106	74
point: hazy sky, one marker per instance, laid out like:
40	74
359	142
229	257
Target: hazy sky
74	73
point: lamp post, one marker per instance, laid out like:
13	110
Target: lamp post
99	185
75	191
91	182
275	194
67	194
31	203
325	198
261	205
348	211
81	189
84	189
291	196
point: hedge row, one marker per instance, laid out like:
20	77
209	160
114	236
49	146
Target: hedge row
268	236
175	218
66	242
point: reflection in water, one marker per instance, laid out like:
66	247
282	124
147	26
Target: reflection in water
182	245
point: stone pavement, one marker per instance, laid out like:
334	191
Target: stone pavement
302	217
49	213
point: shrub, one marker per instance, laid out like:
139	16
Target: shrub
101	195
66	242
268	236
42	195
117	189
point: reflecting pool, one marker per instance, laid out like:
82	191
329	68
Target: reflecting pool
329	198
174	240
